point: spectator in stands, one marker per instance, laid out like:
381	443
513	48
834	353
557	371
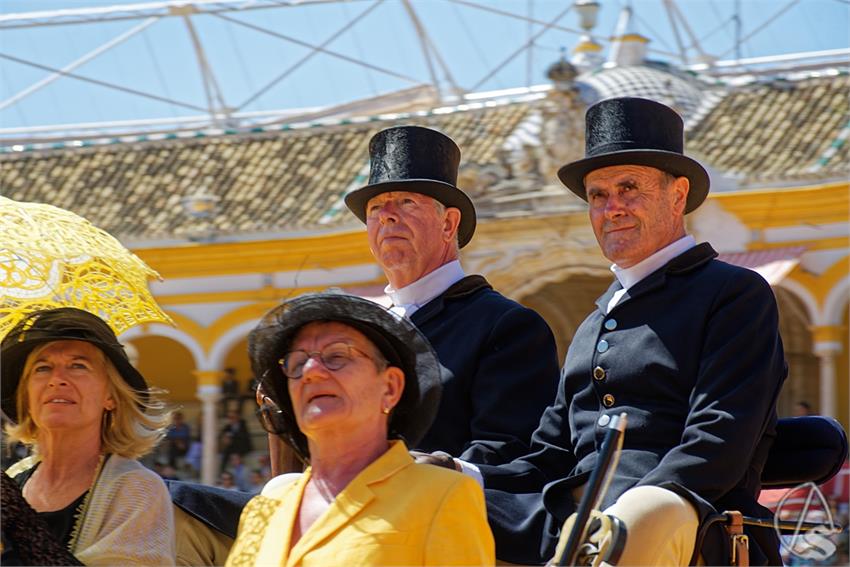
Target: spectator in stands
179	436
802	408
237	468
226	480
234	438
230	391
256	481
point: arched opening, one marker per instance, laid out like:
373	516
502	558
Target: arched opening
803	379
167	364
565	304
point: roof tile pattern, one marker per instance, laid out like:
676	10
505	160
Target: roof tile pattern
293	180
263	183
778	131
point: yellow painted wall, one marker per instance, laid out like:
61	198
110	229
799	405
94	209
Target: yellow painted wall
167	364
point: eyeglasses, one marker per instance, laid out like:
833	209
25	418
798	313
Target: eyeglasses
333	356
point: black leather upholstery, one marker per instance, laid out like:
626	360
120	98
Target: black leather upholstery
806	449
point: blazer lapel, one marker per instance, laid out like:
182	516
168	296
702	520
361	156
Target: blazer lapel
602	301
461	288
278	534
348	503
684	262
343	509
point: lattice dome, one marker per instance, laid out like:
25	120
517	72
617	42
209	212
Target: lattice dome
682	92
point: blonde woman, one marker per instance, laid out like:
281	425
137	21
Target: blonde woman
72	395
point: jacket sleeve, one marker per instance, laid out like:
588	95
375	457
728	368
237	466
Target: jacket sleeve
138	526
515	380
732	404
525	532
459	533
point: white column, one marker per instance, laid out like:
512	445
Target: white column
826	355
209	392
827	346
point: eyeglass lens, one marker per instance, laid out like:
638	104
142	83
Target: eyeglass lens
333	356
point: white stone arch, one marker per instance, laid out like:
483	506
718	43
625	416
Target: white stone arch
226	341
836	302
158	329
531	285
806	298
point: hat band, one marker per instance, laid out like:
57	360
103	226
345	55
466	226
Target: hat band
623	145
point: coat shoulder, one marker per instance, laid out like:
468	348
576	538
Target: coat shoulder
720	271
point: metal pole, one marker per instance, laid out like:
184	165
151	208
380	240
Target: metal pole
423	41
73	65
211	89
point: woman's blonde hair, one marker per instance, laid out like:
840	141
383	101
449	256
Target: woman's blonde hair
132	429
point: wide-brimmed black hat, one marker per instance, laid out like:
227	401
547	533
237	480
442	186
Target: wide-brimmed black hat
636	131
400	342
61	324
418	160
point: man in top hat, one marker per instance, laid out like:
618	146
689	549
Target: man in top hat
686	345
502	355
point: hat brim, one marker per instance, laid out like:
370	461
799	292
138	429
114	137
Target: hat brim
447	194
572	175
14	357
424	375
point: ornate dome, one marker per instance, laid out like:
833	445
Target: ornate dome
650	80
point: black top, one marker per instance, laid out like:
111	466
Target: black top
59	522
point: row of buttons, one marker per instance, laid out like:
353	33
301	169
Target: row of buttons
599	373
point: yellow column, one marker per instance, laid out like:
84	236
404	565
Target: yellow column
827	346
209	392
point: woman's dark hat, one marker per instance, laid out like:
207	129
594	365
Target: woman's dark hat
401	343
62	324
418	160
636	131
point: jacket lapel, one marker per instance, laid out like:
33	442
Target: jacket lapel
684	262
278	533
348	503
461	288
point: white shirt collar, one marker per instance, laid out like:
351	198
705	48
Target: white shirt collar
411	297
630	276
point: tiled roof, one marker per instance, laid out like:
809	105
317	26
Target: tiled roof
264	183
779	131
293	180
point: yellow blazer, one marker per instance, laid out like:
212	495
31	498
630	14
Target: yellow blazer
395	512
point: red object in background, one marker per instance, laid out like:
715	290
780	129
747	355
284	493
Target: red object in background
836	490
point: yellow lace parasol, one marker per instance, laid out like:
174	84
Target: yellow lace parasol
50	257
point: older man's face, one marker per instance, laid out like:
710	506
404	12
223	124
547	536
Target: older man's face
635	211
410	234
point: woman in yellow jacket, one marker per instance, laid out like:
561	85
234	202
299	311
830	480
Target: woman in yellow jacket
353	382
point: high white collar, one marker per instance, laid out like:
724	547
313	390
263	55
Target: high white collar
413	296
630	276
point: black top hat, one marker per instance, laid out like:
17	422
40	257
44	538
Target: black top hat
401	343
635	131
61	324
419	160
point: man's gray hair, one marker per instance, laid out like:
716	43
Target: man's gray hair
441	209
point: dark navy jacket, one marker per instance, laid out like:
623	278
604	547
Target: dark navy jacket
692	354
505	372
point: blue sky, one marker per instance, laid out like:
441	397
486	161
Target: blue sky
472	41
